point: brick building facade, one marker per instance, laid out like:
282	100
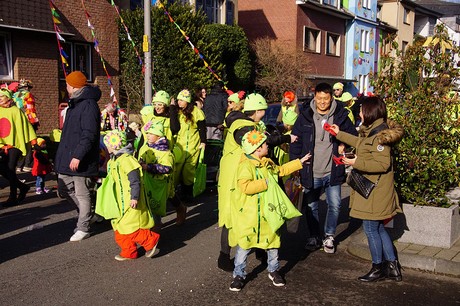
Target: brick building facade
316	27
28	49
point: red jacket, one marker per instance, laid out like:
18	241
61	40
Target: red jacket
41	166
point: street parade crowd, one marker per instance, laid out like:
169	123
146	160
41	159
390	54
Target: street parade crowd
267	174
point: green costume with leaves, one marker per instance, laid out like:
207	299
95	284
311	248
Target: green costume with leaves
166	122
231	156
188	141
132	219
158	187
250	228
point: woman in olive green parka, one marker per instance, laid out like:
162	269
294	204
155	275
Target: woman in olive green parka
373	160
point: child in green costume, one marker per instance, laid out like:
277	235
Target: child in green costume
133	220
251	228
191	139
157	162
282	151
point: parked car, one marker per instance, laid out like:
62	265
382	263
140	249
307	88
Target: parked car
273	109
271	114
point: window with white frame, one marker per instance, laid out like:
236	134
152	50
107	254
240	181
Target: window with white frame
79	58
367	4
330	2
364	41
312	40
406	16
230	17
6	58
213	9
332	44
363	82
404	47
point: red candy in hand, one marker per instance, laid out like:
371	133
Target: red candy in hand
337	160
327	128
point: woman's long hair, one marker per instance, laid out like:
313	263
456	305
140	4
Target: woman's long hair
373	108
187	111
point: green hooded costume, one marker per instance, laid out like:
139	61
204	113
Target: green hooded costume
231	156
158	187
250	228
132	219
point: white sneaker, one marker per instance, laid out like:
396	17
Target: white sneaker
328	245
79	236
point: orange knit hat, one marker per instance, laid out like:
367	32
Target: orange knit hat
76	79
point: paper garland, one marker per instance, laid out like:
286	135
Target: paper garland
127	33
59	38
96	47
160	4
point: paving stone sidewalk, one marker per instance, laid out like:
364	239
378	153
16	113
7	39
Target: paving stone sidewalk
432	259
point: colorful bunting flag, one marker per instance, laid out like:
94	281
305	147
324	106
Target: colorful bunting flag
127	33
160	5
96	47
55	17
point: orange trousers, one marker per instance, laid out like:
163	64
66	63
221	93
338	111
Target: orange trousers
128	243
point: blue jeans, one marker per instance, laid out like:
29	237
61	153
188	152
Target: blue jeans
379	241
242	254
333	200
40	182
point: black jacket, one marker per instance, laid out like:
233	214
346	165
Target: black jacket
81	134
215	107
304	128
273	139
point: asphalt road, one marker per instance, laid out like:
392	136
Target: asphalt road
40	267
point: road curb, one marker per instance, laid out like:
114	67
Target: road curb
358	248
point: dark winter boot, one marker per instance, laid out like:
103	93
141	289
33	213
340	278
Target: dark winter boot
376	273
224	262
393	270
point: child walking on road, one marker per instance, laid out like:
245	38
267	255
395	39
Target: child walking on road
132	221
251	224
41	167
157	163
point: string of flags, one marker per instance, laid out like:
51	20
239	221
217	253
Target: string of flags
127	32
96	47
195	49
59	38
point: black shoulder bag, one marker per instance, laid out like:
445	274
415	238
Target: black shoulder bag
357	181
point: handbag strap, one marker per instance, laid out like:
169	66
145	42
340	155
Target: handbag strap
373	132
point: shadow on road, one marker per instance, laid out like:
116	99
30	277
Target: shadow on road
37	233
25	215
200	216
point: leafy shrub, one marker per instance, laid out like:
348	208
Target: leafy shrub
175	65
416	86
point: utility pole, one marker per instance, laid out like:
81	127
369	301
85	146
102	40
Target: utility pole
146	47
